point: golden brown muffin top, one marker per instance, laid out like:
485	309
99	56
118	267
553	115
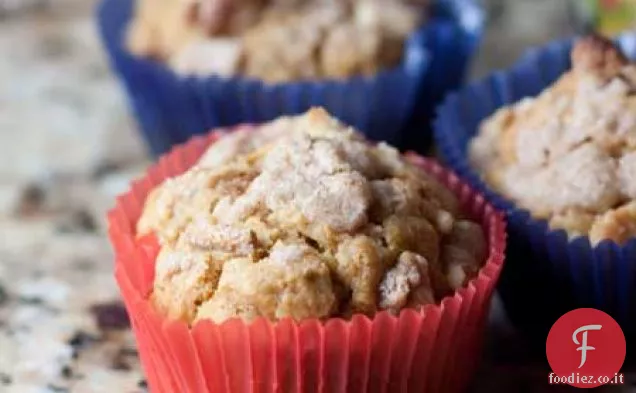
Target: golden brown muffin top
275	40
569	154
303	218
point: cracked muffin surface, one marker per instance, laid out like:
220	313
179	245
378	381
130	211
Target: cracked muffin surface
275	40
568	155
305	219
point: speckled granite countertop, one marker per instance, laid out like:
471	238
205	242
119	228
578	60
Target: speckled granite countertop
68	147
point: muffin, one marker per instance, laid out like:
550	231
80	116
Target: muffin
310	221
378	65
569	154
275	41
312	255
549	141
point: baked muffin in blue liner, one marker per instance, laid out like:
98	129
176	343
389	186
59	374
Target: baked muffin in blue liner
170	108
549	272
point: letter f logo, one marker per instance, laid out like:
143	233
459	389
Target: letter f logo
584	347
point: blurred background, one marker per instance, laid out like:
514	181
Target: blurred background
68	147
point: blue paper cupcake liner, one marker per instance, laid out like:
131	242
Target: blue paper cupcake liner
547	273
171	108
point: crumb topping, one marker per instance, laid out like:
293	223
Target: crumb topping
309	222
568	155
275	40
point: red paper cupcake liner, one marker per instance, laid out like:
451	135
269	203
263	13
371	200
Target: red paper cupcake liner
435	349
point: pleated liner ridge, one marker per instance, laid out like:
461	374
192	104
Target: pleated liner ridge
547	274
433	350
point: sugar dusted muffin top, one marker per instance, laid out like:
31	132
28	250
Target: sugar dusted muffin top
569	155
303	218
275	40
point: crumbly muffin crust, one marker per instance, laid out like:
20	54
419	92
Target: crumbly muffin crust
569	155
275	40
305	219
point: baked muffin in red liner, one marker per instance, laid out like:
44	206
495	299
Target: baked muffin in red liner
434	349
